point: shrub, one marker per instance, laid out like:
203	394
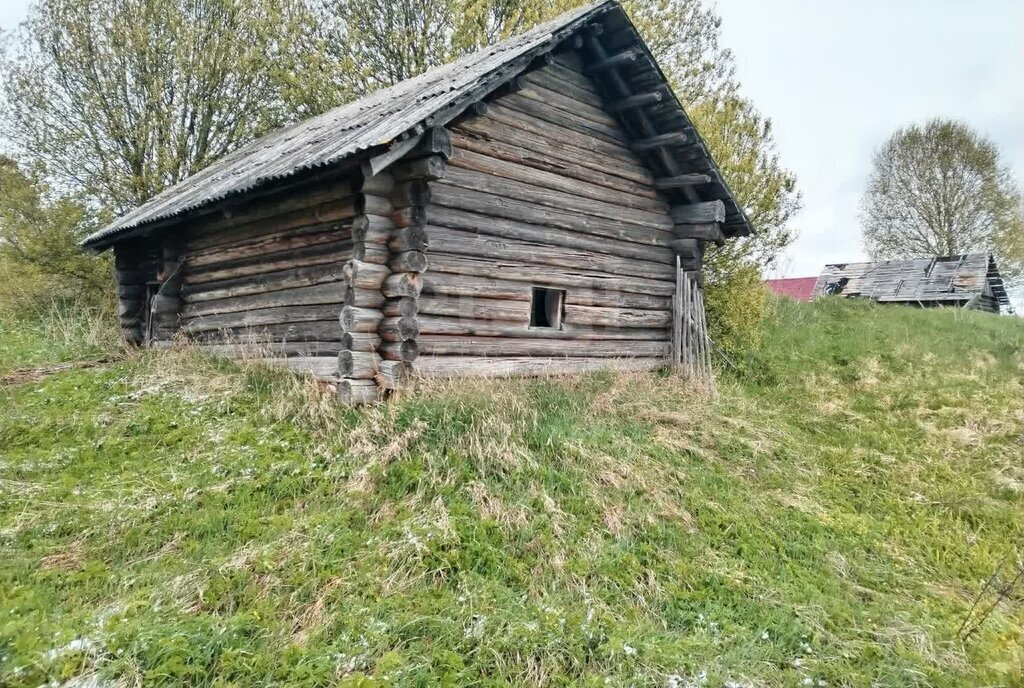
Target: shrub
738	310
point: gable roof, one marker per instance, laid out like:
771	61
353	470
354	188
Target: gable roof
799	288
951	279
371	125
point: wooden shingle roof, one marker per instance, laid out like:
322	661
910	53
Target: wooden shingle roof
383	119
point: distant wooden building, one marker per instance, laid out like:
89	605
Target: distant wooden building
552	183
963	281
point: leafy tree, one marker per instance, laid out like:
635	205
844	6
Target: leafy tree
39	236
942	189
122	98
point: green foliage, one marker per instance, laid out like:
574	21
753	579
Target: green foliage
39	257
176	520
943	189
738	309
120	99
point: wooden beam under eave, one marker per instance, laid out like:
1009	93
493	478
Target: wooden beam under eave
682	180
673	138
698	213
708	231
625	58
636	101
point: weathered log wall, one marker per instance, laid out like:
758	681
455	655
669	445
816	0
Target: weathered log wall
266	280
543	190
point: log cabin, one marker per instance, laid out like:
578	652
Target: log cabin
541	206
970	281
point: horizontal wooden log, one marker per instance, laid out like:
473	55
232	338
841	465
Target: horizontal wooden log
425	169
258	317
564	160
480	246
372	229
616	317
623	59
358	365
687	248
255	350
577	86
557	134
638	100
473	307
362	275
567	103
447	345
408	239
670	139
563	119
543	275
485	227
454	285
616	299
329	292
310	331
400	284
360	341
554	200
338	212
320	367
698	213
460	198
131	291
473	366
410	193
682	181
165	303
313	235
711	231
336	252
363	298
130	276
406	351
446	325
268	282
370	253
357	392
518	145
413	216
467	159
393	375
408	261
399	329
279	205
404	306
355	319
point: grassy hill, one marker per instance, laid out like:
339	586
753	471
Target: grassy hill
846	512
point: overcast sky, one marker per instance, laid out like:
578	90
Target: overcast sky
838	76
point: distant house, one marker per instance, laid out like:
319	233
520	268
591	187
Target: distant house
799	288
553	184
964	281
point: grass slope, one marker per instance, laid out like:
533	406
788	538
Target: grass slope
828	519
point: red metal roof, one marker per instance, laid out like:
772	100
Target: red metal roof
799	288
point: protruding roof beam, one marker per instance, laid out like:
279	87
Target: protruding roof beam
708	231
673	138
626	57
698	213
638	101
683	180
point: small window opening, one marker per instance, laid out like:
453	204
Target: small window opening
547	308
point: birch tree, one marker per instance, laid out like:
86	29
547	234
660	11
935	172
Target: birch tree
942	189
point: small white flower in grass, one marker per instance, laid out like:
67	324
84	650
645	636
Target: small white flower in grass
628	650
797	662
764	635
807	681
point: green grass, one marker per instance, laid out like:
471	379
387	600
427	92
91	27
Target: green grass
828	519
